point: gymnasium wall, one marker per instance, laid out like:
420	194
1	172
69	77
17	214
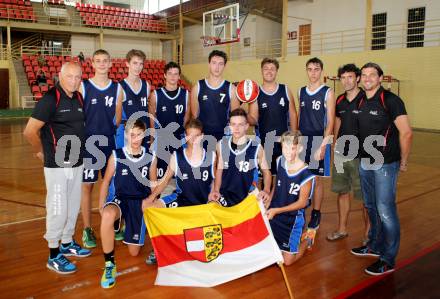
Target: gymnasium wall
327	16
117	46
397	10
330	16
350	15
417	69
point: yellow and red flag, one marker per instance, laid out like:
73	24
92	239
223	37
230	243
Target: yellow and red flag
207	245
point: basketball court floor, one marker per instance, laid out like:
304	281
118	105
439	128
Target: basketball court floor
327	271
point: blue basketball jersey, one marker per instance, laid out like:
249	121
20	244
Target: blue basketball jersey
288	186
100	108
214	105
193	182
169	110
240	171
273	112
131	174
132	103
135	101
313	111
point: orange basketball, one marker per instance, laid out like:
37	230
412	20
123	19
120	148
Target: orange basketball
247	91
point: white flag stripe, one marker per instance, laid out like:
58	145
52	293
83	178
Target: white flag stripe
226	267
195	245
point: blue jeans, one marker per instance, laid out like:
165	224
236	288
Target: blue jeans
379	191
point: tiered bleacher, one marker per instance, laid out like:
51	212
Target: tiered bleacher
51	66
116	17
17	10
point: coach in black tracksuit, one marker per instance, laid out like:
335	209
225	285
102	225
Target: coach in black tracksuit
58	116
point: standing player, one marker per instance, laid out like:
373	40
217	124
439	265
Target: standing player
136	90
316	119
237	164
273	111
294	187
213	98
347	179
131	169
168	105
103	113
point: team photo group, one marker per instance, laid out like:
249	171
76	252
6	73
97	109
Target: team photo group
216	144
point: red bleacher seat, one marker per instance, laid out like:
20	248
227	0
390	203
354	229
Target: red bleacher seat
35	89
38	96
31	76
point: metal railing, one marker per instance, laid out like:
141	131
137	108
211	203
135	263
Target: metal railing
416	34
4	53
56	51
51	51
28	101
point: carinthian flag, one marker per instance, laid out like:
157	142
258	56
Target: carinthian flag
207	245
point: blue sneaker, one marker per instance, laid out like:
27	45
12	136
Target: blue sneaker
61	265
108	279
151	259
74	250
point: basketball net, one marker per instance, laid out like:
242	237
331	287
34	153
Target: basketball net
208	41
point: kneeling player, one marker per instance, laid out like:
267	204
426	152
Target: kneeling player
237	167
130	167
293	189
193	168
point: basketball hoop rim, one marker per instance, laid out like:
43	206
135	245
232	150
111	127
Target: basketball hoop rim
208	40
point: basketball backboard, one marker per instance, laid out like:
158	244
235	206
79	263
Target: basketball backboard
221	25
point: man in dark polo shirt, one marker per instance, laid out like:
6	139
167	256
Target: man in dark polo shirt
345	170
385	138
56	133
